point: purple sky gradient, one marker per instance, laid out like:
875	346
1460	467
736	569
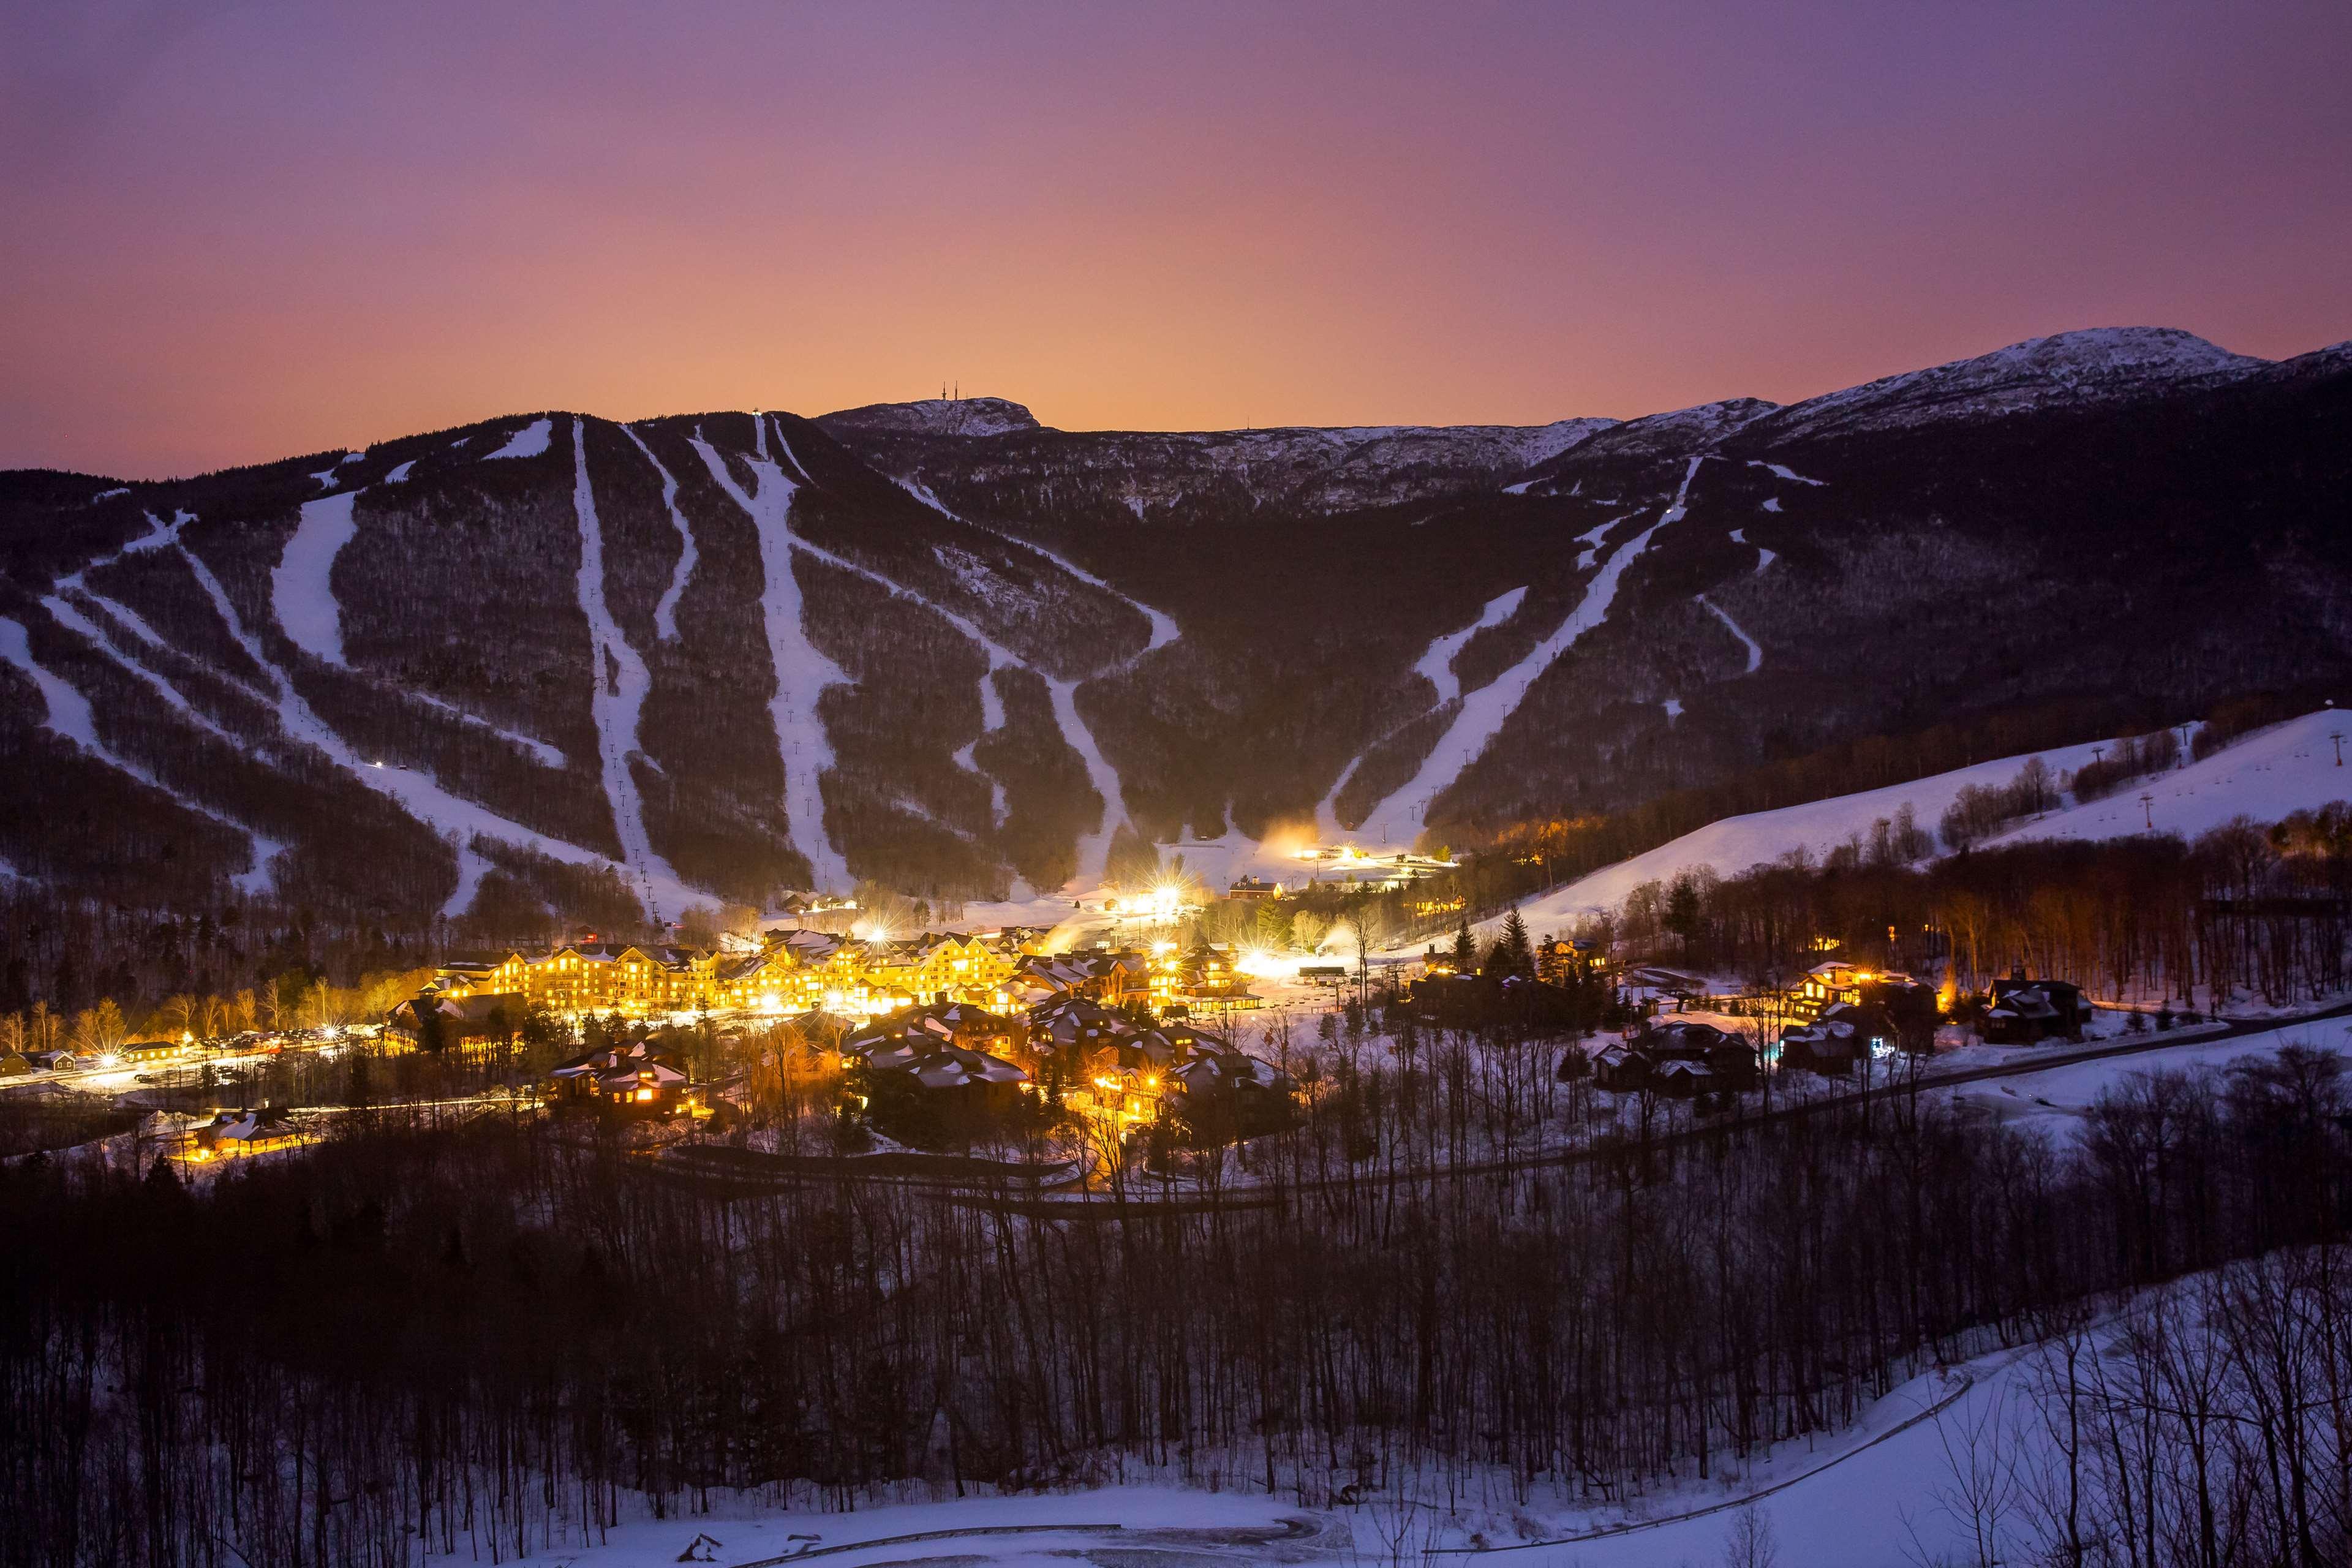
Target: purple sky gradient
238	232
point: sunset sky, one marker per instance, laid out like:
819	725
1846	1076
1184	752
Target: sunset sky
238	232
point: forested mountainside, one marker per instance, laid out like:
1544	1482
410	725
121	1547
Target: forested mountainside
554	660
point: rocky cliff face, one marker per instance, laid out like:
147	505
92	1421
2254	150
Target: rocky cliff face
555	660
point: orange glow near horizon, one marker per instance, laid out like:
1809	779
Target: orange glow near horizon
245	233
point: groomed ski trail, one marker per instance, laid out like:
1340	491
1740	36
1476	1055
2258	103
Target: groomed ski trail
665	612
1093	848
422	796
1755	650
1437	666
802	672
67	712
1399	817
617	699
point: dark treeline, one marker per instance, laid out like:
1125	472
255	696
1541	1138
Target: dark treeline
480	1340
2246	910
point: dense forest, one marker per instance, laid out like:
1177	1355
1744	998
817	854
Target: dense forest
484	1339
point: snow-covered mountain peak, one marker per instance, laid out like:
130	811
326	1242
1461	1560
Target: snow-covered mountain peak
2104	365
937	416
1679	430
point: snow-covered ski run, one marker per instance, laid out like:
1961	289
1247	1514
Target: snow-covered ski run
67	712
1397	819
457	820
802	672
617	695
665	612
1755	650
1094	848
1437	666
301	590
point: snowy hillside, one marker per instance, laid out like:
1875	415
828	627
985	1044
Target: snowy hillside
2267	776
2103	365
2264	776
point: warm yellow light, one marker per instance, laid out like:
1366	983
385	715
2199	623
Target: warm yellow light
644	1094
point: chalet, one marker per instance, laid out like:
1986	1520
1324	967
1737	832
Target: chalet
2024	1011
1207	978
147	1052
630	1078
1561	959
234	1133
1844	1034
964	1077
958	1023
1683	1058
432	1020
53	1061
1254	889
14	1064
1078	1023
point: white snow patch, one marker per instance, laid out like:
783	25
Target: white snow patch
1765	558
400	474
110	495
1738	536
1674	707
1771	504
351	458
1778	472
529	441
301	590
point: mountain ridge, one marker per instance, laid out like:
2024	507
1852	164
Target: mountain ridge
1012	649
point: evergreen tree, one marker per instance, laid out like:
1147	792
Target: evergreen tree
1512	953
1465	950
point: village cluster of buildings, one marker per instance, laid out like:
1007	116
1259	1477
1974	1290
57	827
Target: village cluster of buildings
801	971
977	1016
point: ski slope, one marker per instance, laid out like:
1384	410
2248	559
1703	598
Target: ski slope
457	820
1735	843
1484	712
1094	848
1755	650
300	592
802	672
2265	775
617	695
529	441
67	712
665	612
